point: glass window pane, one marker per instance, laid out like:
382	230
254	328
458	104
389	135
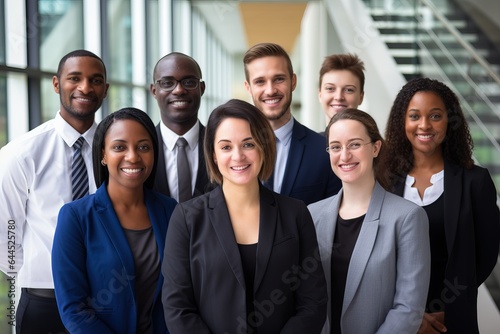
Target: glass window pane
61	30
119	97
2	32
3	109
49	99
119	40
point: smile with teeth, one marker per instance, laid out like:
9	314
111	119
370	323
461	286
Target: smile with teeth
347	166
425	137
132	170
180	103
273	101
238	168
83	99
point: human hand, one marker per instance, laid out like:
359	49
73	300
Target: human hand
432	323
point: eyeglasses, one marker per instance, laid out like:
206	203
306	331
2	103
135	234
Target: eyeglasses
169	85
352	146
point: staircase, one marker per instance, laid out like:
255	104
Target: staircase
423	45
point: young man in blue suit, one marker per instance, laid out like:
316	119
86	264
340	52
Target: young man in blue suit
302	167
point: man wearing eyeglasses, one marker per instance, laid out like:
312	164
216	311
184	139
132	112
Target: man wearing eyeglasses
178	87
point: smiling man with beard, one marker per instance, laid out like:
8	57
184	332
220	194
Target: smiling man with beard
178	87
302	168
36	180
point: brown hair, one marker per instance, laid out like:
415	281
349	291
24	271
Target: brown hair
349	62
372	131
260	128
262	50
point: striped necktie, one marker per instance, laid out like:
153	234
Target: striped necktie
79	178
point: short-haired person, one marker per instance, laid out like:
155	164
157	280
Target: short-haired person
341	83
241	258
108	246
374	245
36	180
178	87
430	163
302	170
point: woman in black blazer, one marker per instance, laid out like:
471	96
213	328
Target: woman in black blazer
241	258
430	163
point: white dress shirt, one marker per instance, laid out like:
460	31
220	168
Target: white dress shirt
431	194
35	181
170	150
283	140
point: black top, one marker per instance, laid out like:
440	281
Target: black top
147	270
439	254
248	254
346	235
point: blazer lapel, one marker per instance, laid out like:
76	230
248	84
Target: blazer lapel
202	176
325	229
110	223
161	183
364	245
267	228
219	218
294	158
452	201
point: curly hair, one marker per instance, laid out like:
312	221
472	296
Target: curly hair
457	145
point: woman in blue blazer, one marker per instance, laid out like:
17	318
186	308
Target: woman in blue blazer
374	245
430	163
242	258
108	246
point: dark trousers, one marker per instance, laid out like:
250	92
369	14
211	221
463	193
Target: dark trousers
38	315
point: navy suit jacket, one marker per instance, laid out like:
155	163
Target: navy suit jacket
472	231
202	181
308	173
93	266
204	287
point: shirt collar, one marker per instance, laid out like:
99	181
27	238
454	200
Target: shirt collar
170	137
69	134
284	133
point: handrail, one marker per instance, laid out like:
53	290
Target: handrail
464	74
463	42
464	101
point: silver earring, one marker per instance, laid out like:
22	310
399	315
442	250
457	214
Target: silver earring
103	163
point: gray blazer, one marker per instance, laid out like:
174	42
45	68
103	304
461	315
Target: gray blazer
388	275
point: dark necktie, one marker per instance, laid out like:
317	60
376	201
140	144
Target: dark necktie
79	178
183	171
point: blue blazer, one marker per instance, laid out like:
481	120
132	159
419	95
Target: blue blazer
93	266
204	288
389	271
308	174
472	232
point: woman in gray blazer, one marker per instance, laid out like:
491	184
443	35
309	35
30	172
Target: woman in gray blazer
241	258
374	245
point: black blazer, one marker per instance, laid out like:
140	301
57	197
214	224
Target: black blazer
472	231
204	286
202	181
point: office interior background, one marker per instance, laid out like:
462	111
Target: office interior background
455	41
